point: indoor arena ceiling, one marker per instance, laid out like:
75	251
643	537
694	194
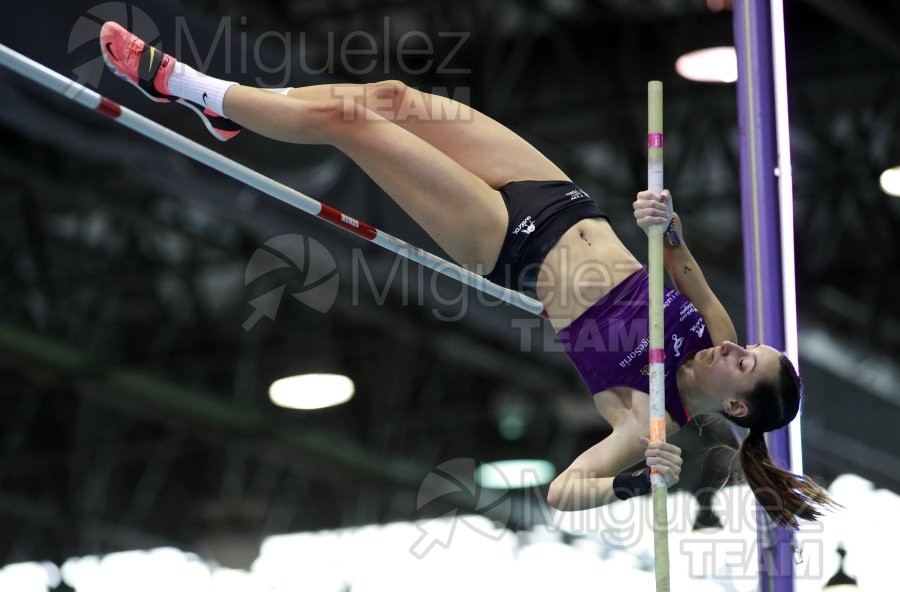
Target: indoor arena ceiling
135	407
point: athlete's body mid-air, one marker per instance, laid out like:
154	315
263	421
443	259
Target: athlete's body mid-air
499	207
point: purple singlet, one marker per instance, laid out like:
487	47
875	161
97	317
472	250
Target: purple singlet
609	342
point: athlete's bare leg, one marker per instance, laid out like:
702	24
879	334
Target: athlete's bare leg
480	144
462	212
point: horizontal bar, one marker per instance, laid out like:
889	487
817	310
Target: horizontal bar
144	126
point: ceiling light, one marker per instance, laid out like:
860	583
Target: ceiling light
311	391
890	181
713	64
514	474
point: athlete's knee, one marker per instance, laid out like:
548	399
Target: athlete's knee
385	96
389	88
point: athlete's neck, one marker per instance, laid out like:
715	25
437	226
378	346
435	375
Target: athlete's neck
694	400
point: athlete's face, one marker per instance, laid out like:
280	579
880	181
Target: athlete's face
728	371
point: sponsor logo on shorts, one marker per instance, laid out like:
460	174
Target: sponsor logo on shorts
526	226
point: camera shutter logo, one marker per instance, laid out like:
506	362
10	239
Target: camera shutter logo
307	260
450	483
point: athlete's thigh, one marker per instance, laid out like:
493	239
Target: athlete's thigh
465	216
478	142
482	145
462	213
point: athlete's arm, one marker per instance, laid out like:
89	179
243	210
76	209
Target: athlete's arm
588	482
683	269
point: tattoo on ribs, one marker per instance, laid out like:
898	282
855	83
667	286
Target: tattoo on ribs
687	269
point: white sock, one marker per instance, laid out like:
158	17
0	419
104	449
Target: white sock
195	86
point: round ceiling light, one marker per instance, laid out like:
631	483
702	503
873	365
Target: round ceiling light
311	391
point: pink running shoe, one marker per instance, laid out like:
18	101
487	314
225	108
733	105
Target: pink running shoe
150	69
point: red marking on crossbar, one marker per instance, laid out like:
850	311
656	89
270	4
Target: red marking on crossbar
344	221
655	140
109	108
657	355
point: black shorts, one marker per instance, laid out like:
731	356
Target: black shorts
540	212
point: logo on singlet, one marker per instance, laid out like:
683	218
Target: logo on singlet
640	349
578	193
677	344
699	327
686	310
526	226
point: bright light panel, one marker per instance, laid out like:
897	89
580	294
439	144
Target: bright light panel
29	577
376	557
890	181
514	474
713	64
311	391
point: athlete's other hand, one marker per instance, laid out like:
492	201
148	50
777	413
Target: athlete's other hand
664	457
651	209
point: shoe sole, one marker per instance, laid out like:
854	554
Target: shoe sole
206	120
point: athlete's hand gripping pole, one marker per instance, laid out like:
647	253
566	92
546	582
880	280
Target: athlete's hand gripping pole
657	372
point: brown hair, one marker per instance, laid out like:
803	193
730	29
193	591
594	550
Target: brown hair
782	494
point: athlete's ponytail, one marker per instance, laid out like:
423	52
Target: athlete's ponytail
783	495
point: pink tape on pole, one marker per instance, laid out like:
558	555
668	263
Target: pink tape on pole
655	140
657	355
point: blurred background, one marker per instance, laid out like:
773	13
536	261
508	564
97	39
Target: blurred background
148	302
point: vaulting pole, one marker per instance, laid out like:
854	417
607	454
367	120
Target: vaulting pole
657	346
766	198
134	121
